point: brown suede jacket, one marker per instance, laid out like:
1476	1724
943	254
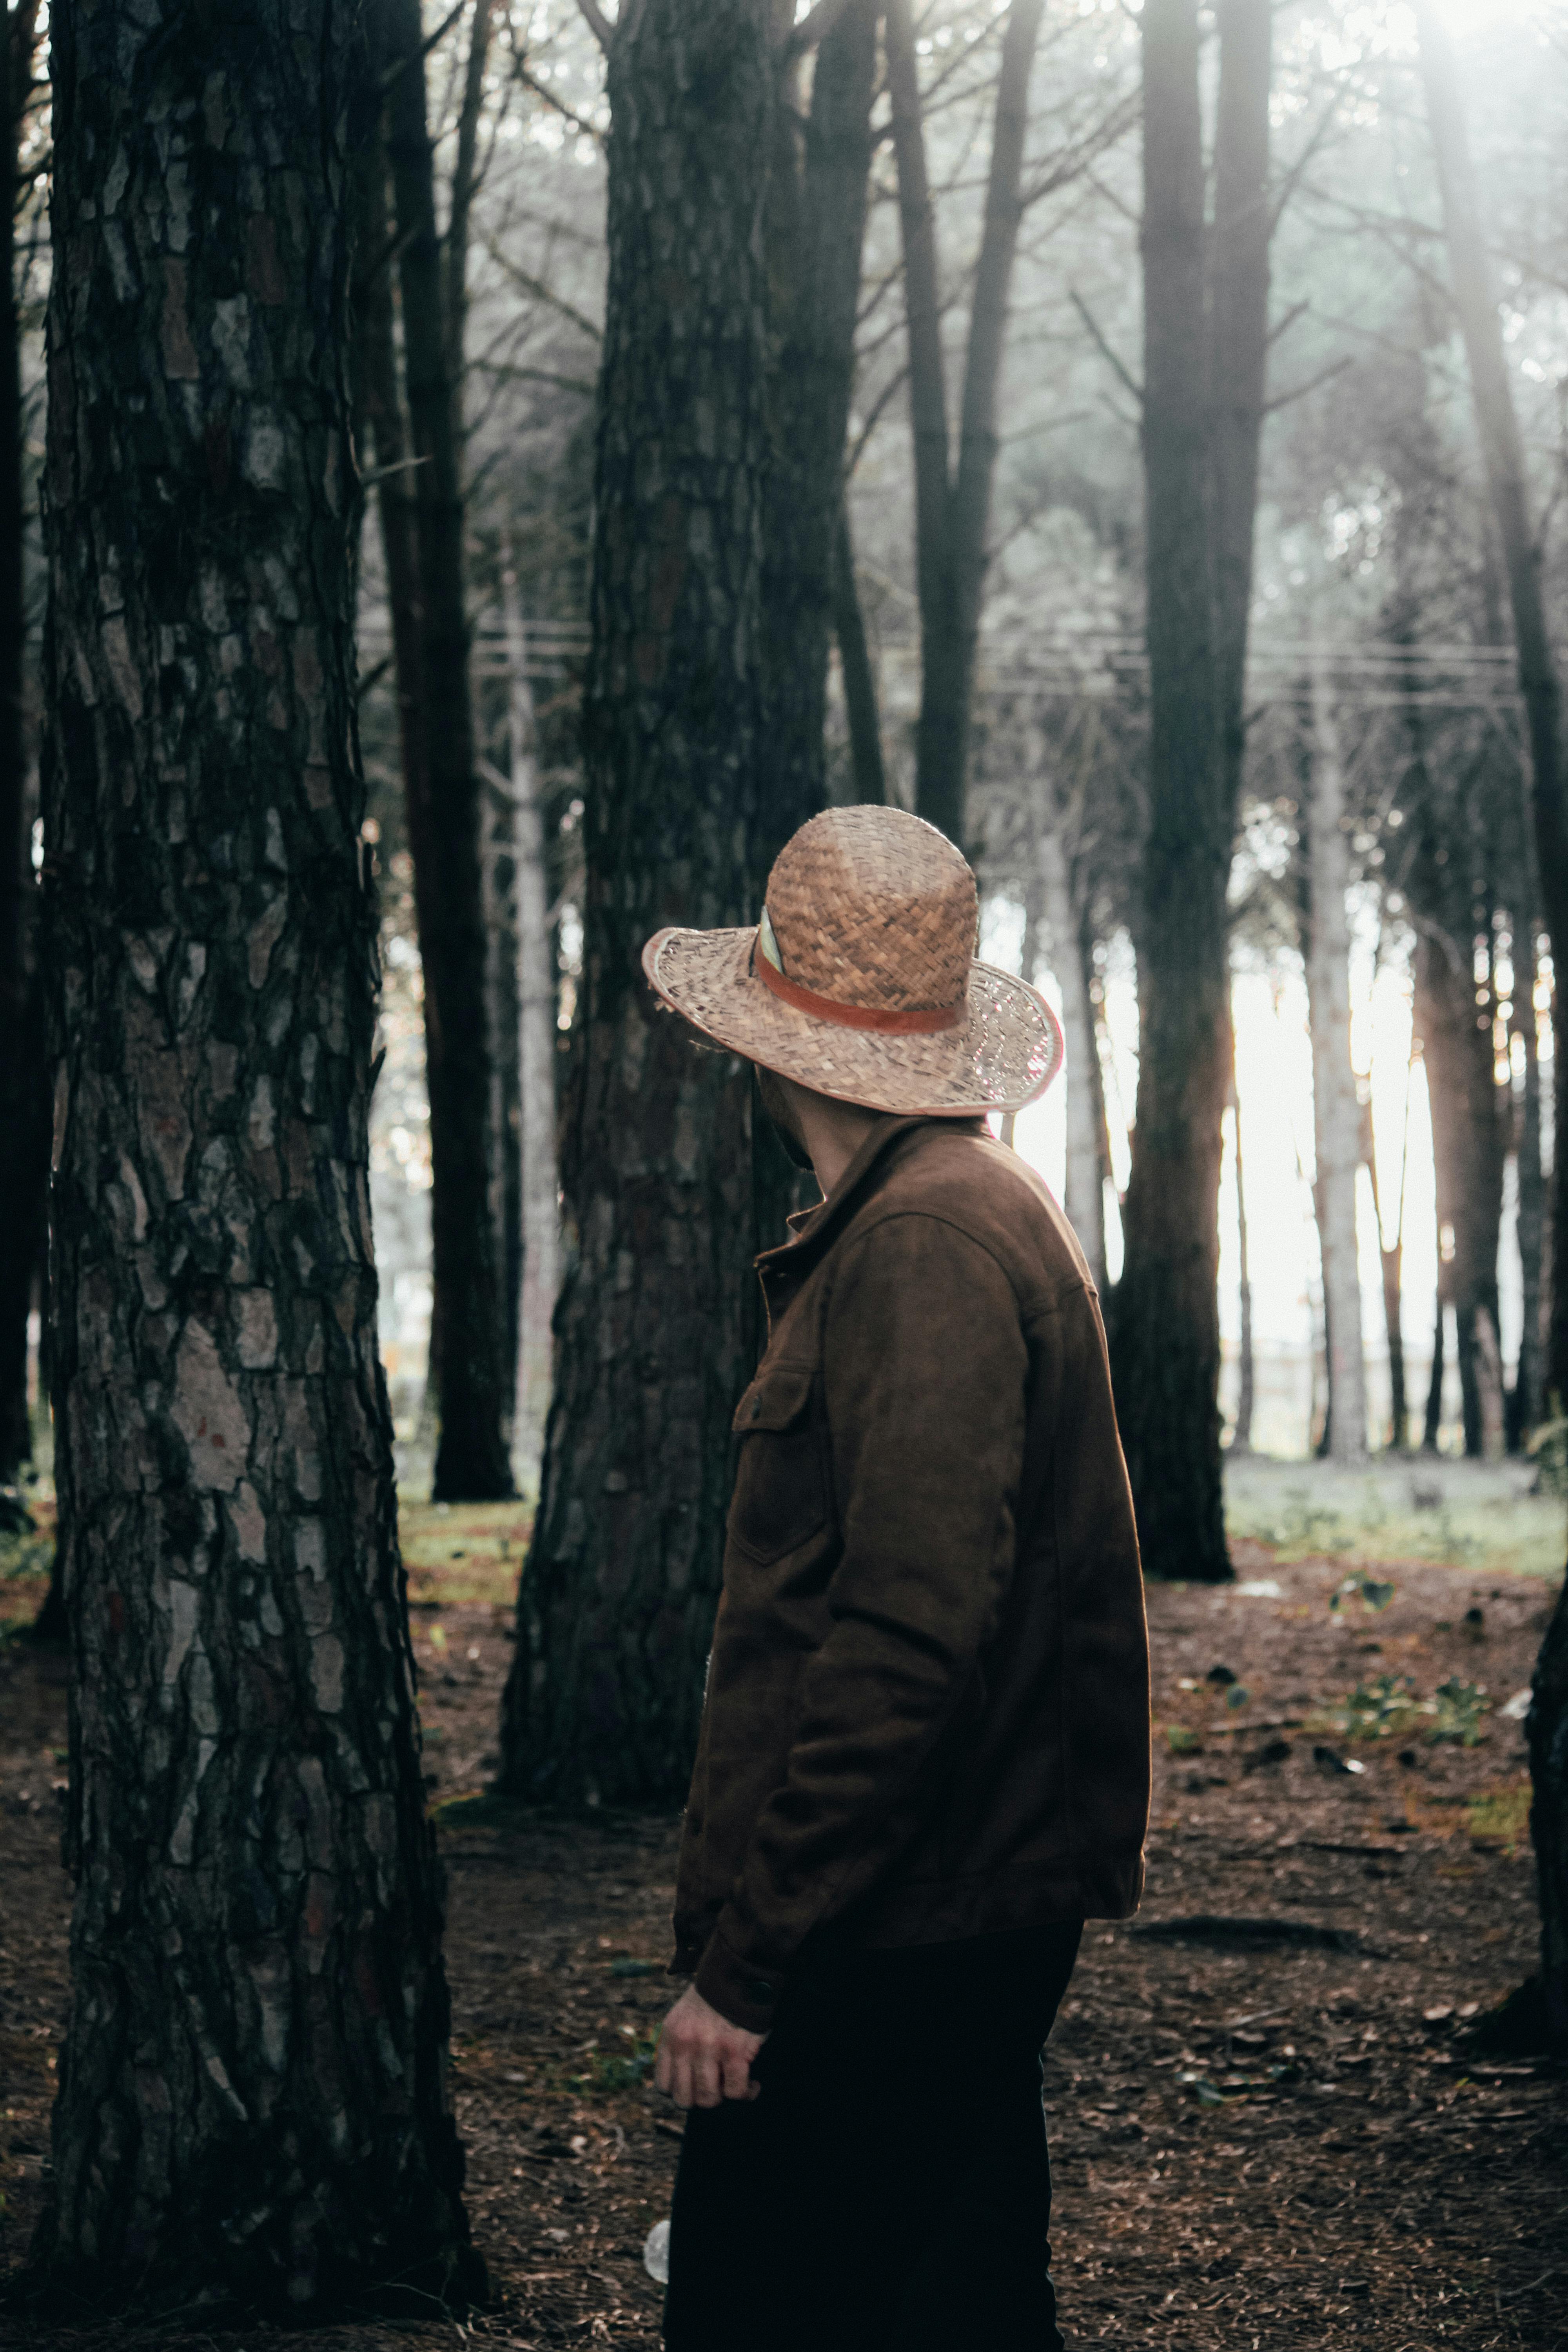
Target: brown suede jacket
927	1714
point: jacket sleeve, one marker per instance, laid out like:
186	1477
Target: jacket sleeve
925	1366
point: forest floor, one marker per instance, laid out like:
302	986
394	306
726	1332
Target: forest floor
1264	2139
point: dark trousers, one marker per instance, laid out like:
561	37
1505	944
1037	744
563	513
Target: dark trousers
889	2191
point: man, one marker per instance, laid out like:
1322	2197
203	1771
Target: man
925	1753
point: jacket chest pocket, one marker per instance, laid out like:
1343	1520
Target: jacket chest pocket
781	1487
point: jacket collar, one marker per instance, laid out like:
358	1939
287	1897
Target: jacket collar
812	1227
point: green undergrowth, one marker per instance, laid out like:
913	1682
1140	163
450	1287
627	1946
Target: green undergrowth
1390	1707
462	1554
26	1553
1500	1818
1480	1517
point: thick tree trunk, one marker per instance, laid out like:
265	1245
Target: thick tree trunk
1165	1321
1393	1267
20	1078
1527	1400
657	1329
1432	1418
1239	346
1474	299
1084	1202
471	1461
252	2093
854	662
816	221
1468	1147
497	846
1096	1070
1336	1113
537	1059
953	515
1391	1261
1247	1370
1546	1730
499	874
464	187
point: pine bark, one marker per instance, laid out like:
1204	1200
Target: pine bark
952	511
20	1076
1546	1731
1084	1202
1502	451
1239	344
870	777
1336	1113
814	227
537	1059
657	1328
1467	1141
466	1348
1247	1370
498	876
1527	1400
1165	1353
252	2099
1392	1267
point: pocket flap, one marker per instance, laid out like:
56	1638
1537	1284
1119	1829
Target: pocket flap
777	1398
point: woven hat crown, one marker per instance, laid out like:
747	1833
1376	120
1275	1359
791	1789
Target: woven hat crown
873	907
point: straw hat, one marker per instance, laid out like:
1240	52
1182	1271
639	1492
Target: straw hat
860	982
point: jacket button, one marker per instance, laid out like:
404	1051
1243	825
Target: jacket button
761	1990
756	1408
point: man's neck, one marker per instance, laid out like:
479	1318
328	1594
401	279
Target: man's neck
832	1131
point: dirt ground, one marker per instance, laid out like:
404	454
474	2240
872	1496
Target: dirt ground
1263	2136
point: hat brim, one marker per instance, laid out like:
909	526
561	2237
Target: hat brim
1006	1051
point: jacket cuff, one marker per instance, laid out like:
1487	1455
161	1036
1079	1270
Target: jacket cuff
737	1990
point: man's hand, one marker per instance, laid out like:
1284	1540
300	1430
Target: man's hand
703	2058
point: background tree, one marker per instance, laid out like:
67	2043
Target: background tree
952	514
1476	302
252	2095
469	1365
1165	1325
1336	1115
656	1325
23	1098
814	219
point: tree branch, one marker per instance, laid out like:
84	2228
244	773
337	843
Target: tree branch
1074	161
579	122
928	398
1284	399
414	58
1283	326
815	28
873	418
540	291
1294	175
597	23
1106	353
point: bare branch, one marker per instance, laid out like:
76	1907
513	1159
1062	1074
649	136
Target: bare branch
873	418
597	23
1283	326
579	122
815	28
368	481
507	371
540	291
1074	161
401	65
1101	344
1294	175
